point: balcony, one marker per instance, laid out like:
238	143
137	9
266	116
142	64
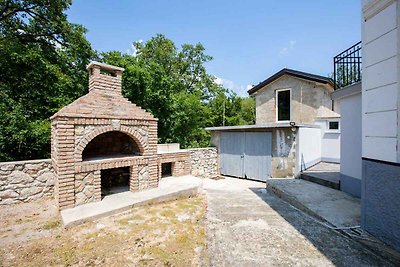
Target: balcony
348	67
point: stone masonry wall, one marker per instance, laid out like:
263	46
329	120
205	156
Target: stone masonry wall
204	162
24	181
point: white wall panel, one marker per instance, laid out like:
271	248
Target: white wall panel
380	49
380	148
380	74
379	24
382	98
381	124
350	145
309	147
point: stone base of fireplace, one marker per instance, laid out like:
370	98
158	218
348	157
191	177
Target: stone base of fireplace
143	175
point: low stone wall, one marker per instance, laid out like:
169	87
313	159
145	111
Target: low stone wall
23	181
204	162
180	162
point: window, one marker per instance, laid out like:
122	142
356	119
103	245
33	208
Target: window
333	126
283	107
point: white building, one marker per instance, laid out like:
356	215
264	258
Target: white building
370	122
380	119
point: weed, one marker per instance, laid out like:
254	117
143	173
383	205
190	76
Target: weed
51	225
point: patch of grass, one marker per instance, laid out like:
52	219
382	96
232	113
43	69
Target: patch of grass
152	211
92	235
125	221
66	252
35	253
186	205
176	251
51	225
168	213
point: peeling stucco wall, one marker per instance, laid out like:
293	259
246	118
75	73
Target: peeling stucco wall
283	152
307	97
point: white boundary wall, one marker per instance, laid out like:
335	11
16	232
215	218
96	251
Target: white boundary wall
309	148
330	146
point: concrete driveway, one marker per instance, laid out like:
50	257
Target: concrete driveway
249	227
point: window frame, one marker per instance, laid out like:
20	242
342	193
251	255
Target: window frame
328	130
277	106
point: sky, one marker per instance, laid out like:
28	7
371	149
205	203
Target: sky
248	40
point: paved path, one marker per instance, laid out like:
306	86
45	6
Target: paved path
249	227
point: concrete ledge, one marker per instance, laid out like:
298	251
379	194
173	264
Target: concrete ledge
328	205
346	91
318	180
169	189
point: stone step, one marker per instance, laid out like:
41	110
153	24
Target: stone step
319	179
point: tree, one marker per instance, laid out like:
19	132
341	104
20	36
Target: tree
229	109
43	59
172	84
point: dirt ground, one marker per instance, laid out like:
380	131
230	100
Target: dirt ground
236	223
167	234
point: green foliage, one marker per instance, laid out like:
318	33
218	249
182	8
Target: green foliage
174	86
42	62
43	59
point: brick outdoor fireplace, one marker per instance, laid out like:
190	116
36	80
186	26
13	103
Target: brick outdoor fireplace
102	135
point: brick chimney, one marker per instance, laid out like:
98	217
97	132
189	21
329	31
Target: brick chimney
104	77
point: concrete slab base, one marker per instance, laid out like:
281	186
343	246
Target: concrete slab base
335	207
249	226
169	189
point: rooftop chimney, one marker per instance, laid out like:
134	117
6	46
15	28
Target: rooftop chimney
104	77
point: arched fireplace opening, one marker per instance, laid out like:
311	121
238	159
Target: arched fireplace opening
112	144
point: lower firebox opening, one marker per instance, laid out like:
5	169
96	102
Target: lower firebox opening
114	181
166	169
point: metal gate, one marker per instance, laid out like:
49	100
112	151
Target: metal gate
246	154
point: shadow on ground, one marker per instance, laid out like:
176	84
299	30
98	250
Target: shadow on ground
339	249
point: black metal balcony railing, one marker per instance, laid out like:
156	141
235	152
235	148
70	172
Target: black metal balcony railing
347	67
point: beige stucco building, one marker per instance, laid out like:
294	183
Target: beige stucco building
291	96
295	129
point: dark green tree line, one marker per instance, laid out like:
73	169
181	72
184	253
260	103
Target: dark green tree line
43	60
42	63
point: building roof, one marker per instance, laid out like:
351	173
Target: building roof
259	127
294	73
324	112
